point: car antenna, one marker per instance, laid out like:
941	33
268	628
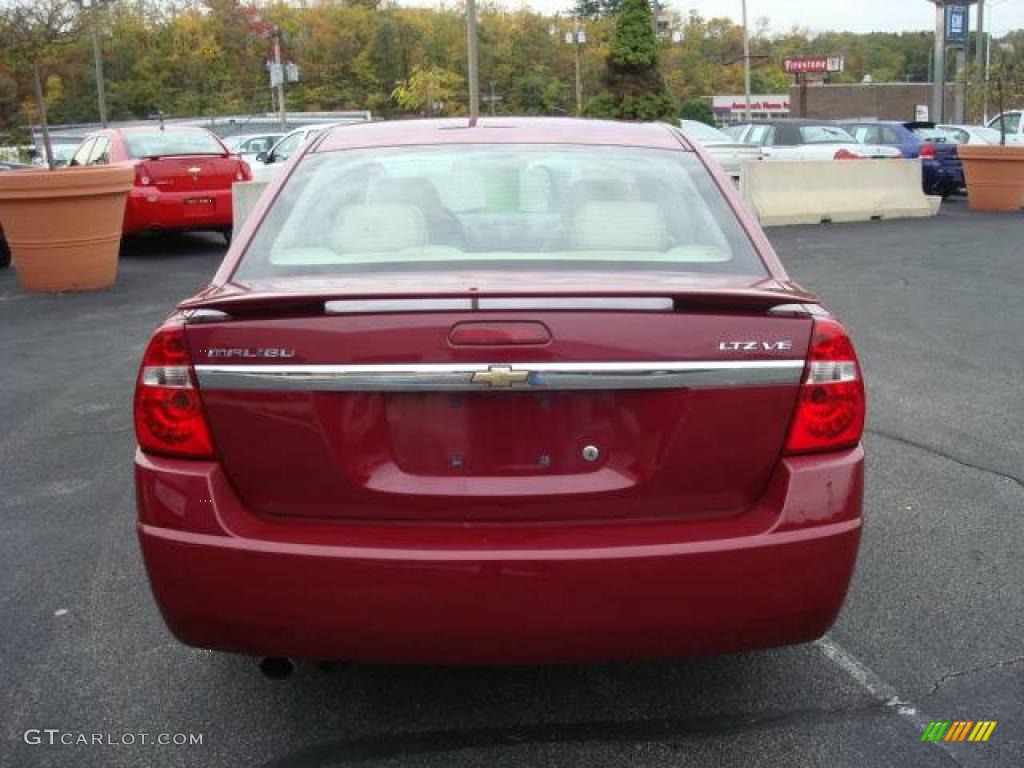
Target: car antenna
159	116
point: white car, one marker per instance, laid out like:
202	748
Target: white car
268	164
801	139
729	153
1014	124
971	134
248	146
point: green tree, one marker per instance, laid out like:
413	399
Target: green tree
697	109
633	85
429	90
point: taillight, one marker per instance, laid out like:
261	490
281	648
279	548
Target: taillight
168	414
831	407
927	151
142	178
844	154
243	172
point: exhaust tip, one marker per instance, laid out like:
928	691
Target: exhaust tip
276	667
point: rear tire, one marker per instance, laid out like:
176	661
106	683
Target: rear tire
226	234
5	252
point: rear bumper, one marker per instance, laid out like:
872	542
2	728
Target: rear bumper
501	594
149	208
939	175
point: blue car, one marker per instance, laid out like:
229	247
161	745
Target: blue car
941	168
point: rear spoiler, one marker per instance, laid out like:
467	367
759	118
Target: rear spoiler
247	304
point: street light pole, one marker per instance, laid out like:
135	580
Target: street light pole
578	38
97	54
471	69
746	65
979	56
101	93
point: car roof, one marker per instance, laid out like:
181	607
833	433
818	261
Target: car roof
789	121
500	130
157	128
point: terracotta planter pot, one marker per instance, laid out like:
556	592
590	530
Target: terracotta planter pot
64	226
995	176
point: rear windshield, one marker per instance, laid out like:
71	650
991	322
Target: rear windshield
501	206
170	141
703	132
825	134
933	134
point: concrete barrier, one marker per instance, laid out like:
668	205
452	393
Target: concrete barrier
804	192
244	195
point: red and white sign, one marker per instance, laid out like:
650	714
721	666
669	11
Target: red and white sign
775	103
798	65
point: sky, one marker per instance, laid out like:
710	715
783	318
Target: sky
816	15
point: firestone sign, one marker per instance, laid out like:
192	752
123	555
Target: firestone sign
799	65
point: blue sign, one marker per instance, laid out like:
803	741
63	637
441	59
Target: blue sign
956	25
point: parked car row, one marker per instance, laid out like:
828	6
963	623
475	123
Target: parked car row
269	162
942	171
805	139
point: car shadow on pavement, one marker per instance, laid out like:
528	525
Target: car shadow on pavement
341	714
159	245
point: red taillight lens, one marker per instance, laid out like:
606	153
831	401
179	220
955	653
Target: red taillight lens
844	154
243	172
927	151
168	414
831	408
142	178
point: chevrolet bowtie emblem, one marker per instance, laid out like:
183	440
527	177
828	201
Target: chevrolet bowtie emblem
500	376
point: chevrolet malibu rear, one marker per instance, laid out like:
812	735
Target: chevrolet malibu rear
522	392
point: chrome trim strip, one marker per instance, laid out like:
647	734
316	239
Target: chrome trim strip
611	303
541	376
358	306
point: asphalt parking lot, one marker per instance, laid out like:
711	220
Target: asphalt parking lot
933	628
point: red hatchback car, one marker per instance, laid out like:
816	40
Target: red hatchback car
534	390
183	176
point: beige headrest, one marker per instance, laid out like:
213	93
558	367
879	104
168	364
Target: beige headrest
378	228
619	226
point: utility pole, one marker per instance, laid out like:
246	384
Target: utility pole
279	74
746	65
474	78
979	60
939	67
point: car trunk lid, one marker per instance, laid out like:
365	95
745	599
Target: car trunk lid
194	173
539	408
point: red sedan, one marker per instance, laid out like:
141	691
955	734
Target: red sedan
183	176
527	391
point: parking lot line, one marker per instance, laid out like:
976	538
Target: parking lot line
871	682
